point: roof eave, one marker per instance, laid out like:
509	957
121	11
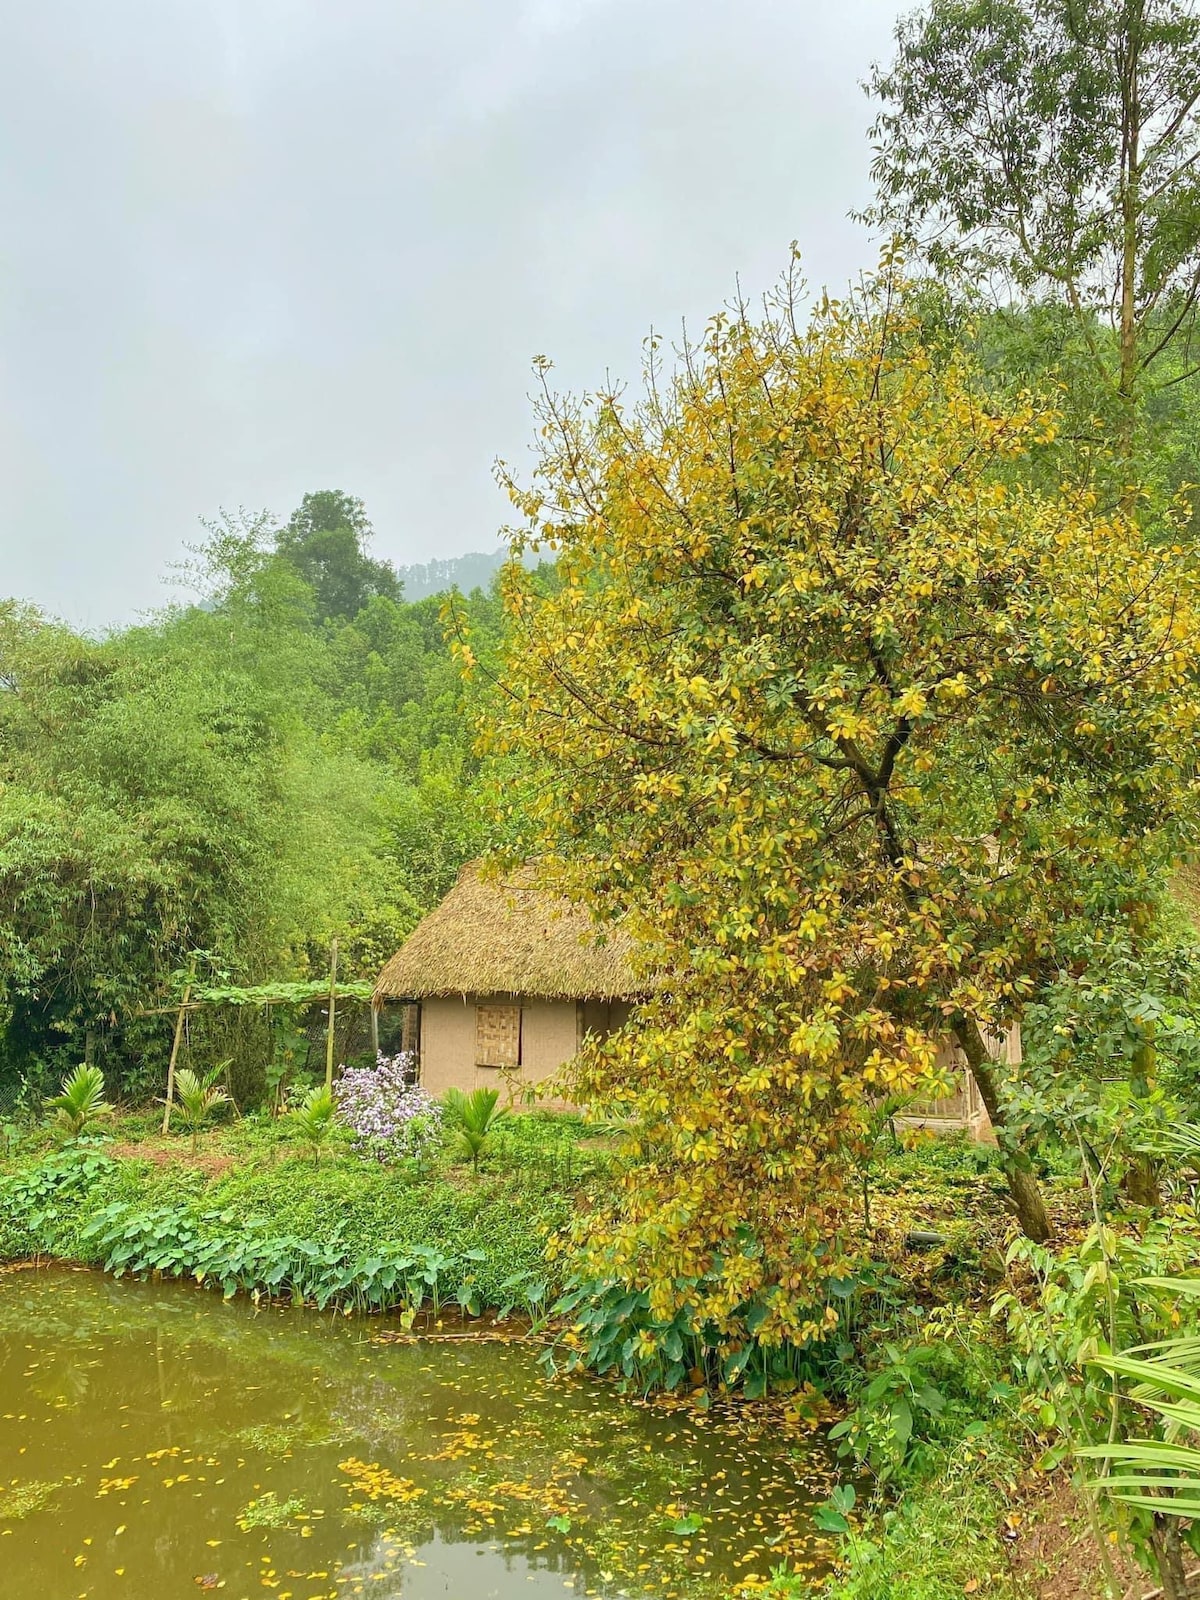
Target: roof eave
415	993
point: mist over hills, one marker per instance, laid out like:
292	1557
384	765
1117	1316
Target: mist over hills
472	571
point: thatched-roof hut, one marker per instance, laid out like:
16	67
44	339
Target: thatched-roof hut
505	979
508	979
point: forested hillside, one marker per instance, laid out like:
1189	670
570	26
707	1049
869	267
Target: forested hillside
474	571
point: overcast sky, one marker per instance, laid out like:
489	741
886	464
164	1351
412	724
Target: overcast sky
256	247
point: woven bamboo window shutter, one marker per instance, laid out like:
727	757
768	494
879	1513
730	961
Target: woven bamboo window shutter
497	1036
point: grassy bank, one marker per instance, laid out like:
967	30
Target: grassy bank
961	1486
250	1213
943	1538
994	1529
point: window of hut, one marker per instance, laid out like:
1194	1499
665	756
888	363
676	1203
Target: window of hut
497	1036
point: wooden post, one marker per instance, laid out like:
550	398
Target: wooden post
187	995
375	1030
332	1014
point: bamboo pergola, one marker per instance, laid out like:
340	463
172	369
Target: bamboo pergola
197	997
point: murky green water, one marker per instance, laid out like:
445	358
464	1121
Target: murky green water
155	1442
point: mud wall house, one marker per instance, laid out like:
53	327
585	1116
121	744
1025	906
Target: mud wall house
962	1110
506	981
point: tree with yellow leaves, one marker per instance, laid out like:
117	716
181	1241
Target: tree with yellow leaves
861	736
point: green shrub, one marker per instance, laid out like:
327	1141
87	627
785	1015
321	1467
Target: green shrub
197	1097
916	1394
474	1118
618	1336
314	1119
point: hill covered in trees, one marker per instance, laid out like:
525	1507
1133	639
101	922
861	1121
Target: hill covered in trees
473	571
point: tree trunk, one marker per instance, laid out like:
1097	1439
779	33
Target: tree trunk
179	1022
1130	204
1168	1555
1022	1185
1141	1184
330	1035
1141	1181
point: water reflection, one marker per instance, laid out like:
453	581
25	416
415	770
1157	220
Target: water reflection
154	1438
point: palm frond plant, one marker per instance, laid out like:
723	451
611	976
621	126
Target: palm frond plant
1155	1469
1109	1345
313	1119
198	1097
473	1118
1175	1139
80	1103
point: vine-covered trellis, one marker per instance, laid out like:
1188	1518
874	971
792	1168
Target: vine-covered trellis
198	997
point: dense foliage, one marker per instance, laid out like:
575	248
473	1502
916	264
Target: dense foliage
349	1231
284	762
869	740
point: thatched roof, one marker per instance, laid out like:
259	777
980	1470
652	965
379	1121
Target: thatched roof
510	937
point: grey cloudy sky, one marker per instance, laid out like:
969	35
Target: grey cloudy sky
255	247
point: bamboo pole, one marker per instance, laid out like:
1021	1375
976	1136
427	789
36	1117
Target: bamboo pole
183	1010
332	1014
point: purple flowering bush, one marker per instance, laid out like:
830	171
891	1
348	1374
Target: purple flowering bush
390	1115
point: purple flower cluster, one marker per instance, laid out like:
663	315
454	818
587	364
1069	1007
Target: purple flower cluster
390	1114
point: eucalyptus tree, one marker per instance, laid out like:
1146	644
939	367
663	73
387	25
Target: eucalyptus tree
1050	149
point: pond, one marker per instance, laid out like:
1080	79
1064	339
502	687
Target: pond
159	1442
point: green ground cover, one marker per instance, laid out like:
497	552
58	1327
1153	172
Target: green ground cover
252	1213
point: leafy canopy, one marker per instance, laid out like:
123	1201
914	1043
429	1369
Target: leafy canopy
251	776
861	734
139	809
1050	150
325	541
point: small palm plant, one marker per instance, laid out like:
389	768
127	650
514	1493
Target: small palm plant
1156	1469
474	1118
198	1097
313	1119
80	1103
